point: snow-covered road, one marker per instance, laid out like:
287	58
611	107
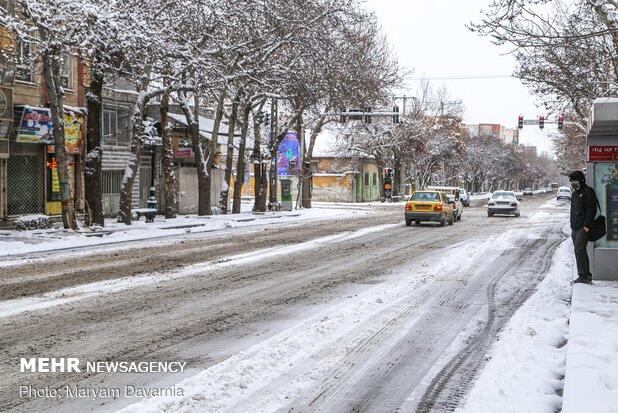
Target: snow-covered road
362	314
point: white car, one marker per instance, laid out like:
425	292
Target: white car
457	206
503	203
564	192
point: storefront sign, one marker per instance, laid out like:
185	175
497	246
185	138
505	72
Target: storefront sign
184	153
598	153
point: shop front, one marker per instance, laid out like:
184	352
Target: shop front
33	186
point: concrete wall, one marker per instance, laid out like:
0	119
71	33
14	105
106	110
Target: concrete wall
333	187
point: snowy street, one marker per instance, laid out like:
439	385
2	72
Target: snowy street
350	313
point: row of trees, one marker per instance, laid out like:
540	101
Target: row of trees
567	54
305	57
431	146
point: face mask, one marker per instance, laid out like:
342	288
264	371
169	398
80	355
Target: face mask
575	185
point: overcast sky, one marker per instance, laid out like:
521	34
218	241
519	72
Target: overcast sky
430	38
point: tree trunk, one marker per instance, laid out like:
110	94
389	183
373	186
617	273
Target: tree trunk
94	152
203	184
171	194
229	159
51	74
307	170
210	157
130	172
240	165
259	204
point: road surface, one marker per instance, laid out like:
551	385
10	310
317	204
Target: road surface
362	314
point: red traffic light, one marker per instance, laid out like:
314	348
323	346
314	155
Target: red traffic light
541	122
520	121
560	121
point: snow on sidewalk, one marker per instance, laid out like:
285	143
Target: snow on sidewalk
24	242
527	362
591	381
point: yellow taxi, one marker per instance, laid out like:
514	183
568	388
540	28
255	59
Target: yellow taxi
432	206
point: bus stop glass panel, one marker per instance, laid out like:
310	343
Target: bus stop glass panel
606	187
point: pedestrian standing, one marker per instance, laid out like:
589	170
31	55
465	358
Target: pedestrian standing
583	212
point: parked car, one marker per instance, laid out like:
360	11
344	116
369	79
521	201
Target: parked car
432	206
564	192
457	206
464	197
503	203
528	192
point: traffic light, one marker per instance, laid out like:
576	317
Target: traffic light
541	122
520	122
560	122
367	115
396	115
342	116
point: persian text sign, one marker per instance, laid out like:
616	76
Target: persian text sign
597	153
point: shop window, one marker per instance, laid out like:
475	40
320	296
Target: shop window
24	70
111	182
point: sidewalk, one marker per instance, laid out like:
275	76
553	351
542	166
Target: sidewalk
17	243
591	376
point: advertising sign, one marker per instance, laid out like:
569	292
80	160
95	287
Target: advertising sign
35	126
288	155
73	127
597	153
606	187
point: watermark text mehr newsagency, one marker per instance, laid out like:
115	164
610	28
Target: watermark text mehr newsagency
73	365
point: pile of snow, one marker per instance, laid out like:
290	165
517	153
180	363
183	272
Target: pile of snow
30	222
527	364
591	381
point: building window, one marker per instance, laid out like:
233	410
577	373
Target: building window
116	126
65	71
366	178
375	178
111	182
24	70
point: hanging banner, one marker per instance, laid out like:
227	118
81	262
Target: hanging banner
73	128
288	155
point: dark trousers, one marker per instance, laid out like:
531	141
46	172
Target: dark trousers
580	241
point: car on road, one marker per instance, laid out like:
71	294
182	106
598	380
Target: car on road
464	197
564	192
528	192
457	206
503	203
429	206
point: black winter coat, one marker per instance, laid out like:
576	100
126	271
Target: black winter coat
583	207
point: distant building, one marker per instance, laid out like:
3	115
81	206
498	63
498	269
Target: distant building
494	130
